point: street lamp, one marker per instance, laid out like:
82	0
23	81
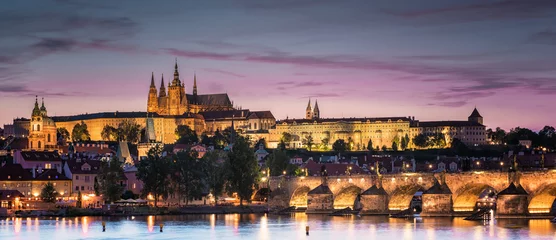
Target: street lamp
284	172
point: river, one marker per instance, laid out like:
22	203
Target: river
261	227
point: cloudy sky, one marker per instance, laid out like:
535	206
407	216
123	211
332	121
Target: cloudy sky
434	59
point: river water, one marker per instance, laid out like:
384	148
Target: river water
261	227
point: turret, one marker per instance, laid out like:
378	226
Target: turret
176	81
316	111
152	102
43	109
475	117
36	109
308	111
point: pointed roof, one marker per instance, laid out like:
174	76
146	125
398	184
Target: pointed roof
438	188
316	109
475	114
374	190
321	189
176	80
43	108
162	88
513	190
309	105
152	81
36	110
194	83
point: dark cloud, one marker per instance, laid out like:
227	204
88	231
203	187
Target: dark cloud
449	104
481	11
23	90
323	95
54	45
544	37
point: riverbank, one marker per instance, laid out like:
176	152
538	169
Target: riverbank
142	211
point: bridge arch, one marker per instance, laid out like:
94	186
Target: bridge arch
400	198
346	197
468	195
299	197
543	201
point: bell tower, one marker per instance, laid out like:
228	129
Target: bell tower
152	102
308	111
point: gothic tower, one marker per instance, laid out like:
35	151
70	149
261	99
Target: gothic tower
42	132
308	111
475	117
152	102
316	111
195	85
177	101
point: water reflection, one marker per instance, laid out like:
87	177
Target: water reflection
290	227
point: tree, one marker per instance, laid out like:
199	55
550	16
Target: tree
219	140
80	132
243	168
349	144
459	147
96	187
339	146
407	141
394	146
384	148
438	141
286	138
185	135
128	195
547	137
370	146
48	193
129	131
403	143
62	134
420	141
261	141
215	172
109	133
519	133
277	162
308	141
110	176
153	172
395	143
189	175
324	142
79	203
206	140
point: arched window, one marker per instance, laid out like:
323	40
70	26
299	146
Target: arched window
39	144
31	145
48	138
38	127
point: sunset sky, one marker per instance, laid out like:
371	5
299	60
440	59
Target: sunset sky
434	59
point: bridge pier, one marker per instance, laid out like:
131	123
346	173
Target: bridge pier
320	200
512	202
437	201
374	201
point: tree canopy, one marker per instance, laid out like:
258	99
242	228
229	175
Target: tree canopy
186	135
339	146
420	141
153	172
80	132
308	142
243	169
128	130
189	175
109	133
110	176
48	193
62	134
277	162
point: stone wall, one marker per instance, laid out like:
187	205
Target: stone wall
511	205
320	202
374	204
437	204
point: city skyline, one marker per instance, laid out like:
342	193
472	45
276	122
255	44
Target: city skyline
435	60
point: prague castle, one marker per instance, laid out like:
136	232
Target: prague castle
170	106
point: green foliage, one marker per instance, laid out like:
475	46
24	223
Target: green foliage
243	169
79	203
96	187
286	138
189	175
407	141
459	147
219	140
129	195
109	133
437	141
129	131
394	146
277	162
153	172
80	132
384	148
324	143
62	133
48	193
185	135
370	145
497	136
519	133
216	174
110	176
547	137
308	142
206	140
420	141
403	143
261	141
339	146
349	145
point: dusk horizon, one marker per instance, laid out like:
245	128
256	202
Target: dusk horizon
437	60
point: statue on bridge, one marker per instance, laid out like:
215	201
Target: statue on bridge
324	175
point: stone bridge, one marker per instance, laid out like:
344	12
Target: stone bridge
516	193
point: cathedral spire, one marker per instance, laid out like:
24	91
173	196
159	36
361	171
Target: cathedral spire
309	105
36	110
176	81
316	111
195	84
152	81
162	92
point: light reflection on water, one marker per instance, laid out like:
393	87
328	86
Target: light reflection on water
265	227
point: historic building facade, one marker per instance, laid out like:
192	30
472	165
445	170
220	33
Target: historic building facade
42	129
382	131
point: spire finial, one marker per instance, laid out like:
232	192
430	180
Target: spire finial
194	83
152	80
176	65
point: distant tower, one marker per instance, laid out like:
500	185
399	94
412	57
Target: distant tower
176	95
42	132
162	88
152	102
308	111
475	117
316	111
195	84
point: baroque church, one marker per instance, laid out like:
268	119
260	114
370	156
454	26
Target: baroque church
42	129
177	102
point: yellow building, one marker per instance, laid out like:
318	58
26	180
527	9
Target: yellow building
30	182
382	131
42	132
